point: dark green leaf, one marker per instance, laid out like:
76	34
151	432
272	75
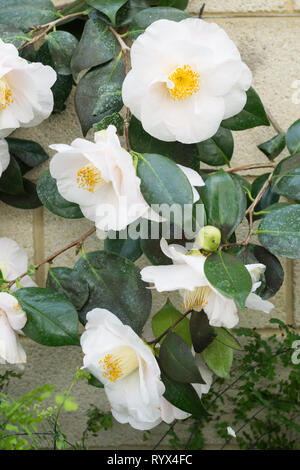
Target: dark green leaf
273	147
221	199
252	115
129	10
163	182
51	319
286	178
115	284
242	198
269	197
51	198
227	274
146	17
29	152
293	138
177	361
98	94
108	7
65	282
12	35
201	332
217	150
97	46
61	47
29	200
181	4
25	13
165	318
95	382
127	247
272	278
11	181
114	120
218	358
142	142
279	231
184	397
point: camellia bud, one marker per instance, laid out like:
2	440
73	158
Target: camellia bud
209	238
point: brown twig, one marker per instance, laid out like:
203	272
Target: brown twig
274	123
47	27
125	50
50	258
156	340
252	166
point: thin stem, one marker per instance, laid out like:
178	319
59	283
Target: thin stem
48	26
165	435
250	167
156	340
125	49
49	259
274	123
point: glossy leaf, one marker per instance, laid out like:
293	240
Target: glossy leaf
163	182
143	142
114	120
201	332
181	4
28	200
51	198
184	397
227	274
12	35
29	152
127	247
61	47
146	17
25	13
286	178
51	319
108	7
11	181
177	361
279	231
96	46
115	284
165	318
217	150
252	115
272	278
224	336
273	147
221	199
218	357
293	138
269	197
98	94
64	281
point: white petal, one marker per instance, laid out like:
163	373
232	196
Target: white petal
4	156
256	303
170	278
10	348
231	432
221	311
14	257
170	412
15	315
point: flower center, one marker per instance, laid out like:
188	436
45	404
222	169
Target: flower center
6	97
89	178
185	82
119	364
197	298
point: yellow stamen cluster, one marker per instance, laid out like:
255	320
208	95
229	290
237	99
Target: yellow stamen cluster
197	298
89	178
6	97
186	82
122	362
111	369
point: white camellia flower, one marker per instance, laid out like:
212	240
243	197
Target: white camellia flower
26	98
12	320
14	262
186	78
4	156
187	275
100	176
126	366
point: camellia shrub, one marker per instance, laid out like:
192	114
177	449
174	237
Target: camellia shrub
162	93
